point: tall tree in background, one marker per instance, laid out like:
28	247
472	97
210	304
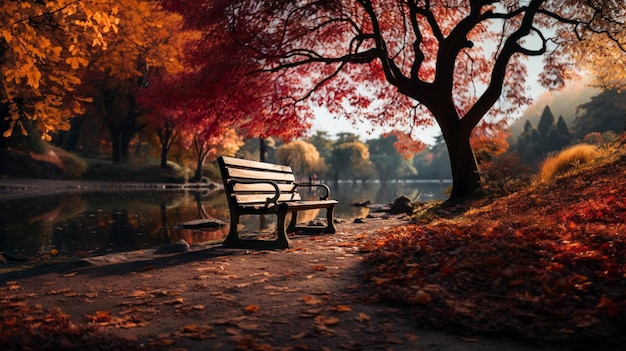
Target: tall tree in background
604	112
350	160
217	83
303	158
150	42
452	60
385	157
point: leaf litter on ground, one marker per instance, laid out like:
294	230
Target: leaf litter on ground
544	264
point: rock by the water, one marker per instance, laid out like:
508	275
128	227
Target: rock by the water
16	257
361	204
202	223
178	247
402	205
318	222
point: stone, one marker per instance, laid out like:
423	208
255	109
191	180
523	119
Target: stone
402	205
180	246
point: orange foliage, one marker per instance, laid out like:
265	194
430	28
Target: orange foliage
406	145
47	48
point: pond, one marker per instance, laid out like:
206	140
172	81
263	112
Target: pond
98	222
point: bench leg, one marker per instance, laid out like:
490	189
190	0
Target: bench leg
232	239
330	228
292	223
282	240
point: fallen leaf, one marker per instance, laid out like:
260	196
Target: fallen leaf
310	313
341	308
362	317
252	308
411	337
319	268
300	335
325	320
310	300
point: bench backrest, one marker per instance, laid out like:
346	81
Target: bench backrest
249	182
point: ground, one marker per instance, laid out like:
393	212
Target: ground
309	297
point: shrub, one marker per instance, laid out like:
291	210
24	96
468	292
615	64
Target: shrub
566	160
73	165
505	174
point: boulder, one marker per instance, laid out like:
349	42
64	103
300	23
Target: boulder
402	205
178	247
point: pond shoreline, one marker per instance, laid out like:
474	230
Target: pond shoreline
25	188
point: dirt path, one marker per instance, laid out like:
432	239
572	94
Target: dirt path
310	297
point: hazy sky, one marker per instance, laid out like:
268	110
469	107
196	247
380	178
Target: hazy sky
565	104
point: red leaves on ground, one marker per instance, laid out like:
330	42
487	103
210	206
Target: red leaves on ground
547	263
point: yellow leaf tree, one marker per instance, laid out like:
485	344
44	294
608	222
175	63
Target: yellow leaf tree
44	49
303	158
60	57
151	41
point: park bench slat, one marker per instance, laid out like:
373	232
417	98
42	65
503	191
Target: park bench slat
260	175
234	162
261	187
244	200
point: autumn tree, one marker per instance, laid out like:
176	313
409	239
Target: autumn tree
217	83
413	63
150	42
604	112
387	161
208	141
302	157
488	144
350	160
44	50
322	142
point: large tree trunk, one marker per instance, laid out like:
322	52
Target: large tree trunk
202	152
164	151
456	133
465	177
262	150
116	137
166	138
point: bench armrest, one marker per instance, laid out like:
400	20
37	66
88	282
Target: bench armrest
322	197
269	200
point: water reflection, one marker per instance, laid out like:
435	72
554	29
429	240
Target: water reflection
93	223
350	192
101	222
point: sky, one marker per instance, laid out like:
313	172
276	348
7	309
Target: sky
574	94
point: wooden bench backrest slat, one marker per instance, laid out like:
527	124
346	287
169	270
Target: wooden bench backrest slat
260	175
238	162
260	187
251	199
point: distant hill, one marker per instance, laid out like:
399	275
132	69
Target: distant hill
562	103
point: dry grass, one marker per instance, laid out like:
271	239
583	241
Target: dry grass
566	160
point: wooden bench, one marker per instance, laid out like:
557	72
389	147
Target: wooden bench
260	188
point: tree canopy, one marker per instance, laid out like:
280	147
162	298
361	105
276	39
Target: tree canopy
44	49
459	64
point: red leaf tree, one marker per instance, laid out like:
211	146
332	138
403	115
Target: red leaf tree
408	63
216	93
